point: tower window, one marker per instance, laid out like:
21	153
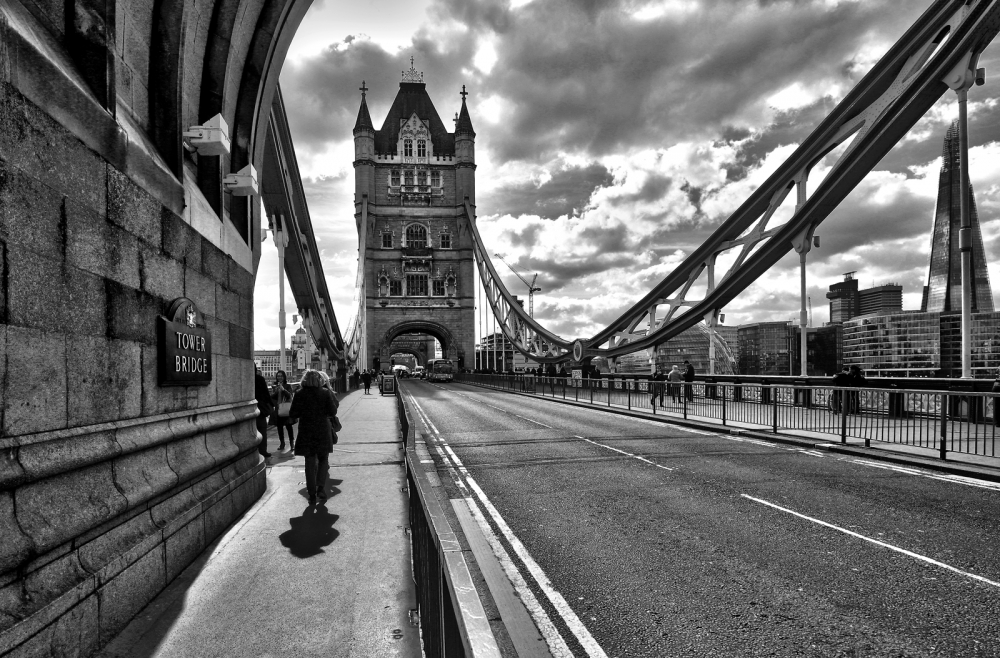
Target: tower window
416	236
387	240
407	177
446	240
421	148
394	178
408	148
436	177
416	285
396	288
439	288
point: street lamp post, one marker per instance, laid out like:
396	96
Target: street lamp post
281	241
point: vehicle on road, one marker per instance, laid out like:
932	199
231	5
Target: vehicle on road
419	372
440	370
401	371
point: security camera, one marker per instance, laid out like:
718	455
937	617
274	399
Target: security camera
980	77
212	138
242	183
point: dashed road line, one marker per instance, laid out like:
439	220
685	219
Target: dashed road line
891	547
627	454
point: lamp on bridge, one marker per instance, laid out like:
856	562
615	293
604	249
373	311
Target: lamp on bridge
212	138
243	182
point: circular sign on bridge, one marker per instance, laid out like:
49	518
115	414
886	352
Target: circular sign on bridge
577	349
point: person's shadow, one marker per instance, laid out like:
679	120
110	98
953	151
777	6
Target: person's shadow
310	532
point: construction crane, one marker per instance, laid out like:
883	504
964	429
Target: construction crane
531	286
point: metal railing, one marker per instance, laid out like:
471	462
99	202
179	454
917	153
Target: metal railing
452	621
964	422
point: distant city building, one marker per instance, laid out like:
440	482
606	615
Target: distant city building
944	277
267	361
843	298
495	352
693	345
764	348
847	302
881	299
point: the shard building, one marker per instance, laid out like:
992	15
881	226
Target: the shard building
943	293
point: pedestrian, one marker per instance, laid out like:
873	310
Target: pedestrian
550	372
281	394
315	407
856	381
688	378
656	387
675	377
264	408
366	379
841	380
996	398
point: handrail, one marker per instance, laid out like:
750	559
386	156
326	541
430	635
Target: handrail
452	619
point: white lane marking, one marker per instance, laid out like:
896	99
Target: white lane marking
883	544
569	617
532	421
552	637
955	479
627	454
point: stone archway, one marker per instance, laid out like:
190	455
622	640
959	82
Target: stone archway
449	346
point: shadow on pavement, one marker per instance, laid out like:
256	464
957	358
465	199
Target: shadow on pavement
310	532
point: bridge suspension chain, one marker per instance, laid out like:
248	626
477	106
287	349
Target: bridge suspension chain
945	41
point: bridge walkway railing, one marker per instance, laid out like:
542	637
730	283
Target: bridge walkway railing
943	422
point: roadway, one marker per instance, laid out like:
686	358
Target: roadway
632	537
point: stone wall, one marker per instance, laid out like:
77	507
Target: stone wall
109	484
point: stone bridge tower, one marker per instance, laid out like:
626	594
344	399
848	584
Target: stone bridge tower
412	179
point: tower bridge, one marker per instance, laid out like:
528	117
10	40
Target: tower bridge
137	175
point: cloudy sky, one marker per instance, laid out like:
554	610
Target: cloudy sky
614	136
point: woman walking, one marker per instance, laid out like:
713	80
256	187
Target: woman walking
281	393
315	406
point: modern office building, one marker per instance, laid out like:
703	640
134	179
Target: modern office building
881	299
693	345
764	348
843	298
944	276
847	301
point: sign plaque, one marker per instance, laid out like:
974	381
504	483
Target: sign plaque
184	346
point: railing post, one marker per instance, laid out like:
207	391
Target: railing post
943	447
629	391
723	386
685	404
843	416
592	393
774	401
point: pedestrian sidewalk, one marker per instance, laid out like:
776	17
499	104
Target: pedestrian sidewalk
293	580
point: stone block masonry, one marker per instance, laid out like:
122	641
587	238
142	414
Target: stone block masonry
109	484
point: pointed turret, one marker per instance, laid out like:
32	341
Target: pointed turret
364	151
465	154
364	121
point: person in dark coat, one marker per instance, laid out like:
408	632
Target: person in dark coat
688	378
264	408
366	379
856	380
314	406
281	393
841	380
656	387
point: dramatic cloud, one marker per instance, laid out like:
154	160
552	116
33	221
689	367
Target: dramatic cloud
613	137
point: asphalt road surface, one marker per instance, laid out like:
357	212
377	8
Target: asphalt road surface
628	537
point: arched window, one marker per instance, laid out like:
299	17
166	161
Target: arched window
436	177
421	148
416	236
408	148
407	177
394	178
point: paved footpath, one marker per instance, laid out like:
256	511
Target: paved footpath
292	580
